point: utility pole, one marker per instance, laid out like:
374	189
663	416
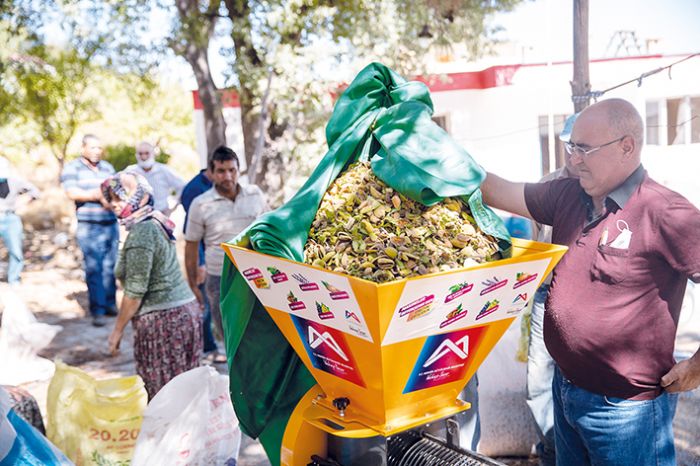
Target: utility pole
580	85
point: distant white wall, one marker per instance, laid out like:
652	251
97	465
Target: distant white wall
499	126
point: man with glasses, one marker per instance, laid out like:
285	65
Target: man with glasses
616	295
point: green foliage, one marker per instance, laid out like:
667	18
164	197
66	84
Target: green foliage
53	95
122	155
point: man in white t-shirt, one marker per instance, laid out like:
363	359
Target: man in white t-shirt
161	178
216	216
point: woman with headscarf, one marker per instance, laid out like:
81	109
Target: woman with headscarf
157	300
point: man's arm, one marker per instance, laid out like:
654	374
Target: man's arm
84	195
505	195
191	266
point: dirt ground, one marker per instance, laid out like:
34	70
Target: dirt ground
54	290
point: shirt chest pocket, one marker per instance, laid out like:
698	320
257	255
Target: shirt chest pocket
611	265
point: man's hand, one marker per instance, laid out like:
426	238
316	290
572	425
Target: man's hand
684	376
200	299
114	339
201	275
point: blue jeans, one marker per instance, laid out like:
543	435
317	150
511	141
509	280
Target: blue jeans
209	343
540	371
99	244
592	429
12	235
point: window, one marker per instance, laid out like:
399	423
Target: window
652	125
673	121
695	120
559	152
675	117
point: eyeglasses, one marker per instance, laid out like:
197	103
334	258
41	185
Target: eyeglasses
573	149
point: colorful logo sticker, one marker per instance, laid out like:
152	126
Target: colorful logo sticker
418	308
458	290
522	278
328	350
294	303
493	284
352	316
355	326
444	358
489	308
304	283
335	292
323	311
519	303
254	275
454	316
277	276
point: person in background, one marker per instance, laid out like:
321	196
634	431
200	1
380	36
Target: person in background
196	186
217	216
164	313
98	233
11	231
540	365
160	177
616	295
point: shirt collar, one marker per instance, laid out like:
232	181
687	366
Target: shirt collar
619	196
217	195
622	193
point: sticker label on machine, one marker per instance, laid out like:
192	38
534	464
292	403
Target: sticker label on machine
463	299
444	358
328	350
303	291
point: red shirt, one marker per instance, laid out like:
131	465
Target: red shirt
612	313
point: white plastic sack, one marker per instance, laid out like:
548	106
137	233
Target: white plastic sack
21	338
190	421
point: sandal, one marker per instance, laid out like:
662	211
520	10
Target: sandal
215	357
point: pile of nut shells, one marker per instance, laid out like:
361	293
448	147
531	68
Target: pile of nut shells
366	229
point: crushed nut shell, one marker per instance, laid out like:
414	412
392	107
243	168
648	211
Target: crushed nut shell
366	229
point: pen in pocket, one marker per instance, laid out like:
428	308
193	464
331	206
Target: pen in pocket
603	238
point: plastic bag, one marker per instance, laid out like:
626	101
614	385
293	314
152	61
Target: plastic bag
190	421
22	444
94	422
21	338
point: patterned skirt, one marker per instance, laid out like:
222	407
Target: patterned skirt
167	343
26	406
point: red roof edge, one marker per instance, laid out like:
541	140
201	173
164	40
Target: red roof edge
493	76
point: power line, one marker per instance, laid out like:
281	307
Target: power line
597	94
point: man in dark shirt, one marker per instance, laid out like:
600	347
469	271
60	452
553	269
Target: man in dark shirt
615	297
196	186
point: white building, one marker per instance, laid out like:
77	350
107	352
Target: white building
500	114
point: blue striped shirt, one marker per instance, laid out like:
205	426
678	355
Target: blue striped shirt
77	174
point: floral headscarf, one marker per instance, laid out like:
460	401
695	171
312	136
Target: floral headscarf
139	202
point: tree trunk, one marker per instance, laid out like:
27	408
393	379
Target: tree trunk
196	30
214	123
249	69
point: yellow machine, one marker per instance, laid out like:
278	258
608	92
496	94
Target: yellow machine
389	358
